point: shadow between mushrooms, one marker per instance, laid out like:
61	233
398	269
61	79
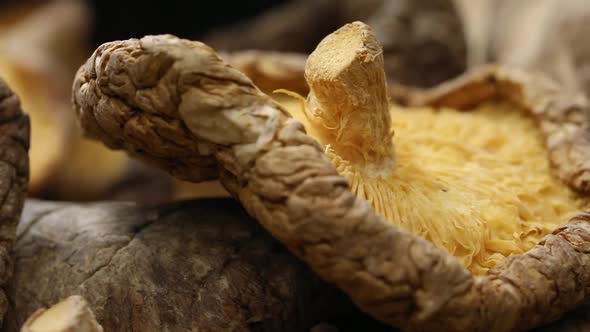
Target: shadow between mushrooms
508	245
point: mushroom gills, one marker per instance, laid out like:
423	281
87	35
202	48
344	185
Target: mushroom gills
477	183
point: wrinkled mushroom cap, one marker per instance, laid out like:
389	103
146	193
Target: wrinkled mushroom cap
175	103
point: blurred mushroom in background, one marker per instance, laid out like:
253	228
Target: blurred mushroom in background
42	44
422	40
545	36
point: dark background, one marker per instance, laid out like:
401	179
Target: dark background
125	19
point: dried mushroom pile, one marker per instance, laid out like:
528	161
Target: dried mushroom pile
362	200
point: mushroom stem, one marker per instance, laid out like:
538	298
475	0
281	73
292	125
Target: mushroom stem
348	97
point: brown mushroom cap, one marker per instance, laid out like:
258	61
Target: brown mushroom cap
14	175
173	102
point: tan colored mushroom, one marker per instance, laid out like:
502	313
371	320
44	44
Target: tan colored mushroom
336	203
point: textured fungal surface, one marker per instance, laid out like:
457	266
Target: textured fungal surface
478	183
201	265
14	173
199	119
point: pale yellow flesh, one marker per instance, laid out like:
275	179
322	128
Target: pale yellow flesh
478	183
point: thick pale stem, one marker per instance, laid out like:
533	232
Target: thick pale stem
349	96
69	315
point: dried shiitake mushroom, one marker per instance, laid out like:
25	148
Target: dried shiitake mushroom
14	176
454	222
202	265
